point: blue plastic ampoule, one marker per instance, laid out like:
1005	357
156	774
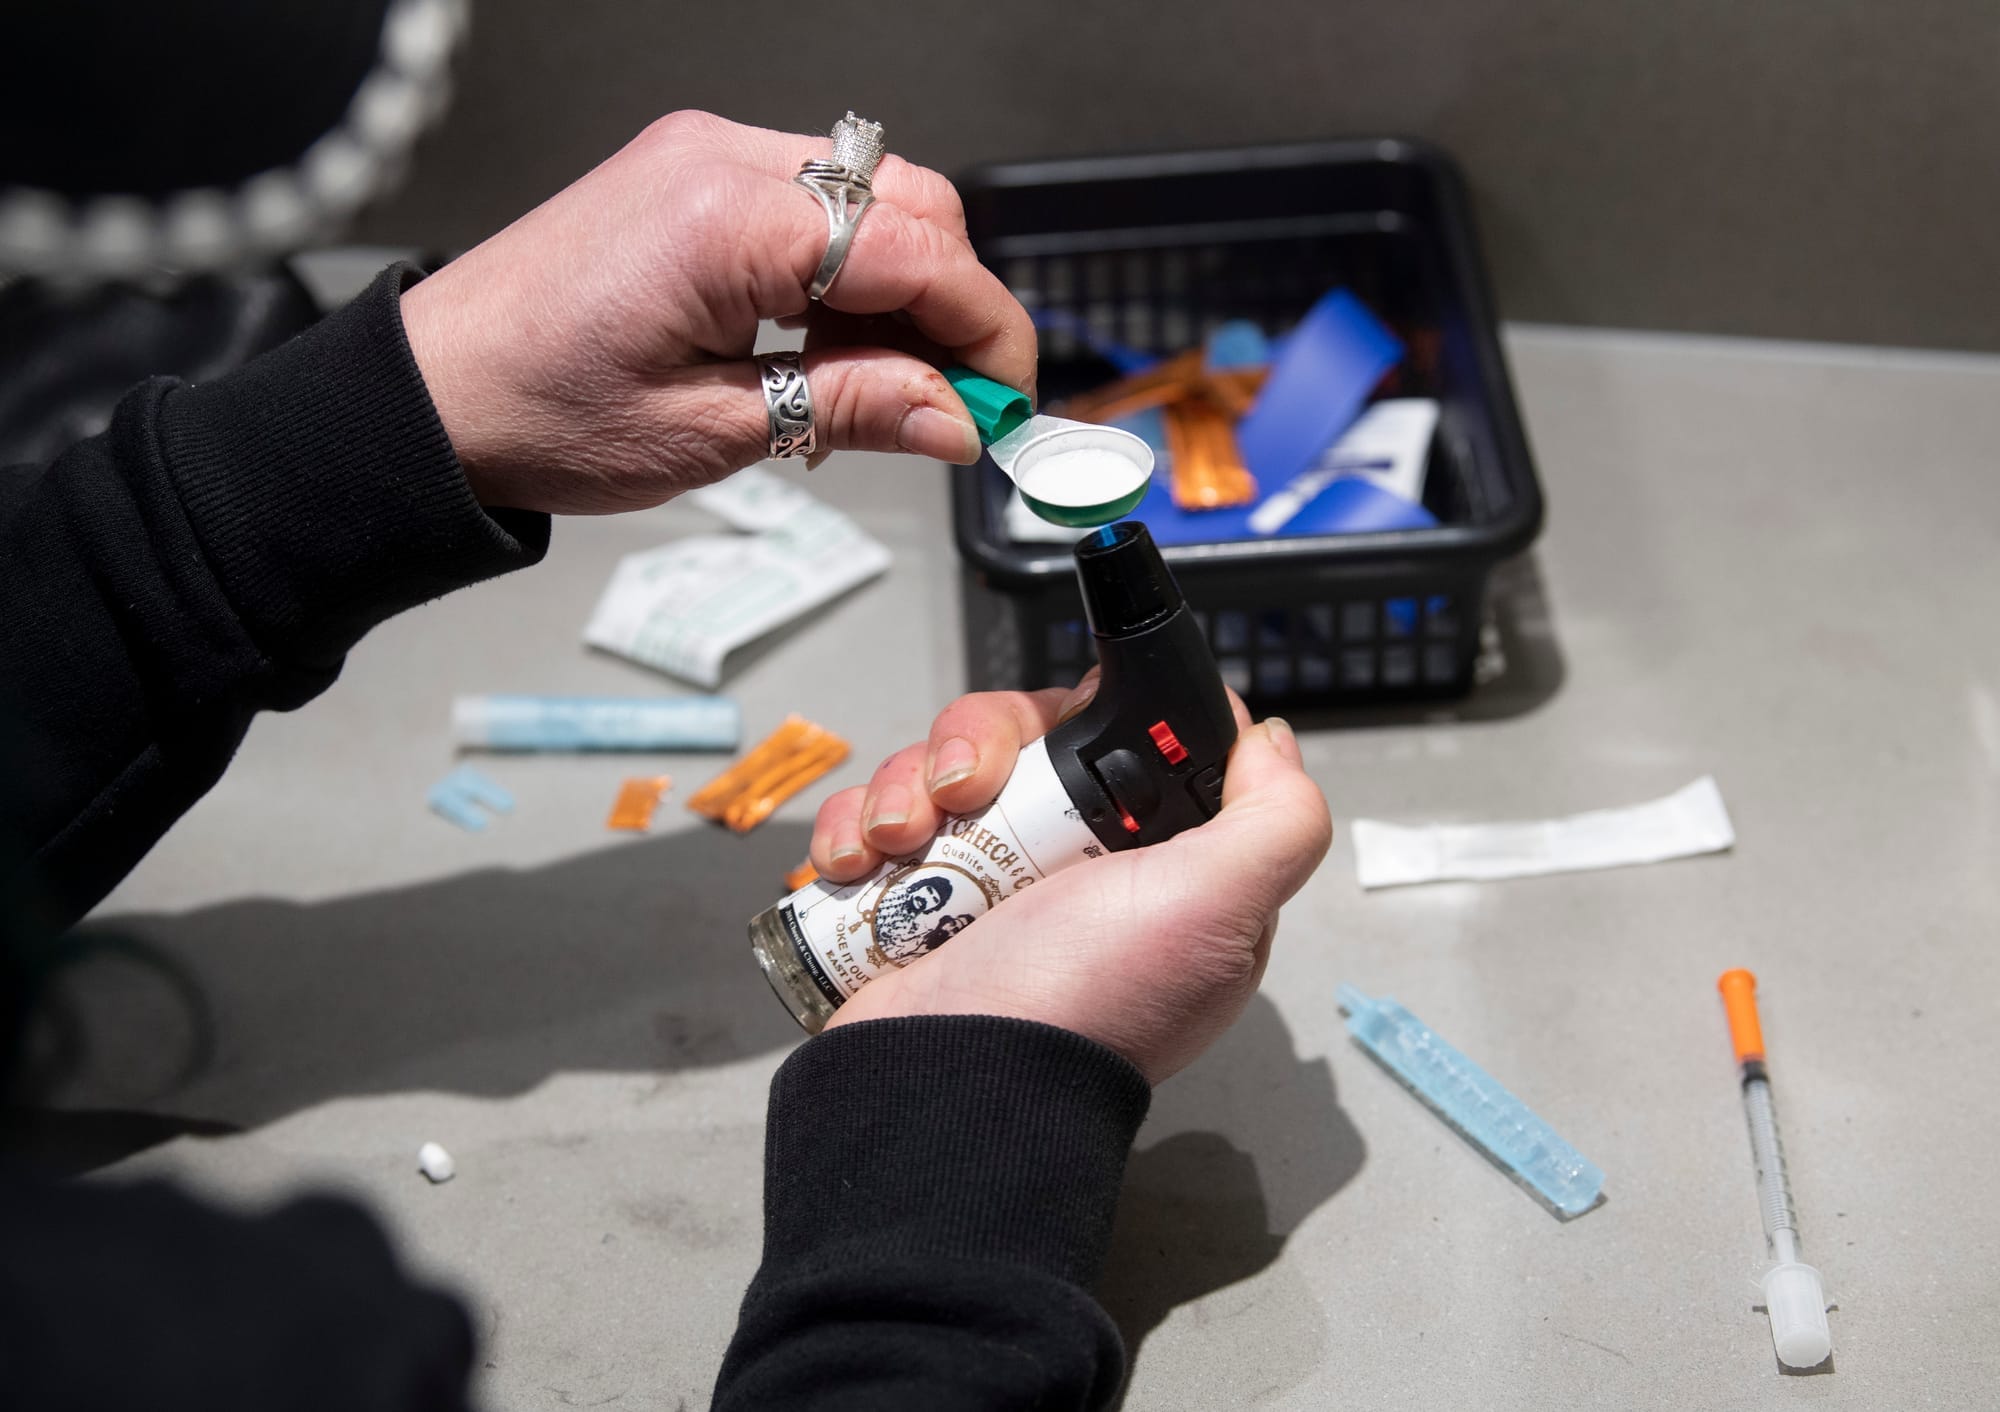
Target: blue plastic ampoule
1474	1102
596	722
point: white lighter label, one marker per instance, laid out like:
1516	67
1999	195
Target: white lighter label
847	936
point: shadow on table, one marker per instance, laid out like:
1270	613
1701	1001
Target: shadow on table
1520	646
1236	1153
630	959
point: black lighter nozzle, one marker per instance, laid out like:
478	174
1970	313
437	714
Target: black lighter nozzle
1126	585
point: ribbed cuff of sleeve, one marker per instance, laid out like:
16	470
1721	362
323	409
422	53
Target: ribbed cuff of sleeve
323	487
964	1136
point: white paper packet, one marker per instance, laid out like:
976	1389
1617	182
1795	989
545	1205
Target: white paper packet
1398	430
1689	821
1389	445
684	607
753	499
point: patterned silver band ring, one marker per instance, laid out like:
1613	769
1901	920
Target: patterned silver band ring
788	405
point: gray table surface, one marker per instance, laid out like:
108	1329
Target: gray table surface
1776	564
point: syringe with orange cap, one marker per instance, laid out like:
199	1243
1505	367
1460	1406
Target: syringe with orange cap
1794	1295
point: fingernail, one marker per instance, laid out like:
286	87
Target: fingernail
846	845
955	761
1089	695
892	807
927	431
1282	739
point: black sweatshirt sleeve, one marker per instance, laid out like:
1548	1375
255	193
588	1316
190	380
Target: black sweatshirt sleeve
938	1194
215	553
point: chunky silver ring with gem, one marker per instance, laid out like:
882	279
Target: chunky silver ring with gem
788	404
843	187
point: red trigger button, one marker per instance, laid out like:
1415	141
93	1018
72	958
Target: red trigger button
1171	748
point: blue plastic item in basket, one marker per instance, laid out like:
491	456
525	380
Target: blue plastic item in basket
1350	505
1320	380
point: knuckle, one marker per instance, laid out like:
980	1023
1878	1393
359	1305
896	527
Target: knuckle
940	198
1299	833
710	208
886	238
1214	949
952	205
1312	819
839	392
936	247
914	244
838	806
682	125
973	713
949	211
1230	963
663	139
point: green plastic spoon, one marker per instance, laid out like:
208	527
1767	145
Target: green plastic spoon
1075	474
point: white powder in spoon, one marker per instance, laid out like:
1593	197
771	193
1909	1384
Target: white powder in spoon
1088	475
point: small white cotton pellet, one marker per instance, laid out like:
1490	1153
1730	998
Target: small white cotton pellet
434	1162
1089	475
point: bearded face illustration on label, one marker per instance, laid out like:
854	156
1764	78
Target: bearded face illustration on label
921	907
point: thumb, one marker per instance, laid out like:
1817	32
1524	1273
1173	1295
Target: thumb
863	399
1274	827
1080	695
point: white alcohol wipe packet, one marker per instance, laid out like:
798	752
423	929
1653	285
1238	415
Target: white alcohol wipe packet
1687	822
1390	443
753	499
684	607
1389	446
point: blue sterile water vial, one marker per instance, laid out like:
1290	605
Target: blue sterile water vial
1473	1101
503	723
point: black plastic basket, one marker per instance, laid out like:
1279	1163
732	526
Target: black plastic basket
1155	251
